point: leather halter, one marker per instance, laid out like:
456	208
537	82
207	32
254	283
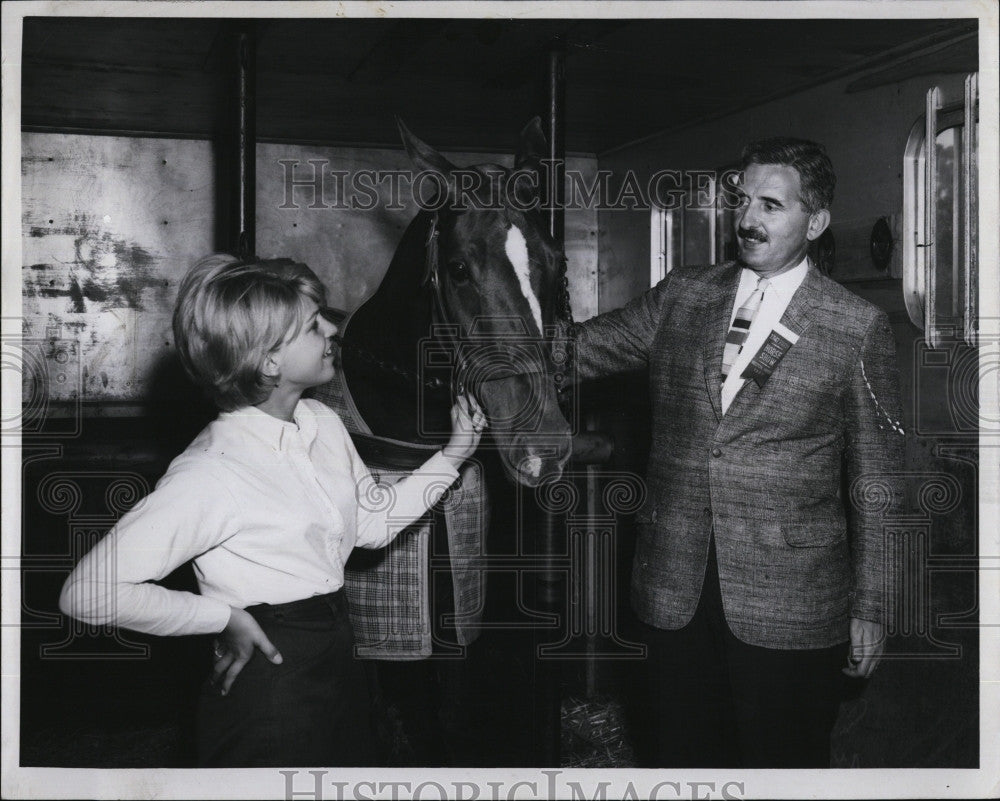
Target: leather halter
439	314
439	317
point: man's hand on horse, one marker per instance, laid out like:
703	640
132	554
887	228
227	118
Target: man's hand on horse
467	423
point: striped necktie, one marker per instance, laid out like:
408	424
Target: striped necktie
741	326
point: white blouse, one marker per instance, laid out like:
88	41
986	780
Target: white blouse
268	510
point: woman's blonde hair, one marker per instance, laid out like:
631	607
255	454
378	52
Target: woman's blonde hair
231	314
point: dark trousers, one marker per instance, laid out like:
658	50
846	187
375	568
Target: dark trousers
712	700
311	710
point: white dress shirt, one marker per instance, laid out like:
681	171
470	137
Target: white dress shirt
777	295
268	510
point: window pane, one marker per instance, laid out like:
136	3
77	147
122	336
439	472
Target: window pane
675	237
726	235
698	235
948	226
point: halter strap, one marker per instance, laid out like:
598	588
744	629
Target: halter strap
439	315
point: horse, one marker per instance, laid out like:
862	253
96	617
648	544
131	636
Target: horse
471	300
475	300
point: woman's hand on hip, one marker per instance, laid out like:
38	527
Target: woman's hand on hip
467	423
234	647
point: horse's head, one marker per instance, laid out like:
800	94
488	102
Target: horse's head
497	280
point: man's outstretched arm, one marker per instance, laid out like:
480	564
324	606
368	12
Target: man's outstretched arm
619	341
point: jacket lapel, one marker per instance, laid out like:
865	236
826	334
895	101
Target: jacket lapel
798	317
718	312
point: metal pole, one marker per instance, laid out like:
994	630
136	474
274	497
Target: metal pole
557	141
237	154
552	584
246	243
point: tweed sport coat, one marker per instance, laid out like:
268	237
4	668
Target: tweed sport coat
796	557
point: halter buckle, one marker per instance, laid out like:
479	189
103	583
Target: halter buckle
431	251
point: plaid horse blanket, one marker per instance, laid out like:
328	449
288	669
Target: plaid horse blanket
390	590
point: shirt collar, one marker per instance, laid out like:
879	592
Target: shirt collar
276	433
784	283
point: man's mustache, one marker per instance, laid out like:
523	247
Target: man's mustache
751	233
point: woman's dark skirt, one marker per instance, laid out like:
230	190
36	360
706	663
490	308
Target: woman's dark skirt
311	710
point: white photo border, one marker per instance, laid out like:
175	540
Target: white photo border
18	782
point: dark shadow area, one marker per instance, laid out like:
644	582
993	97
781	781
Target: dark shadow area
95	698
177	409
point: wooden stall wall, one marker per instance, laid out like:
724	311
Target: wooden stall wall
111	224
921	709
350	248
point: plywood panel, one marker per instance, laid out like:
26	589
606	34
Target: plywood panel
581	246
110	225
349	248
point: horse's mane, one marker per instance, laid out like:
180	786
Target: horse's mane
381	359
400	308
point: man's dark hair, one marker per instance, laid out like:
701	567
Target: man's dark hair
808	158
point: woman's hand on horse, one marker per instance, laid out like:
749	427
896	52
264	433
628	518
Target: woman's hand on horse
235	645
467	423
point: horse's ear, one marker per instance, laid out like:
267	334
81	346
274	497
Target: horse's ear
533	147
530	152
423	155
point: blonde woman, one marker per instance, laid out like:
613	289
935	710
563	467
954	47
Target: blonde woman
268	502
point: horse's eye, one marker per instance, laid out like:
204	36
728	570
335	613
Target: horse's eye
459	271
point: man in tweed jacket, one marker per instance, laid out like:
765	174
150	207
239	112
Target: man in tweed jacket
753	567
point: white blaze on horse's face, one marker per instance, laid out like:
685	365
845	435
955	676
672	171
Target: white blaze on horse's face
516	248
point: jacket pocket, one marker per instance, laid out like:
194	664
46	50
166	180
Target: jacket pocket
811	535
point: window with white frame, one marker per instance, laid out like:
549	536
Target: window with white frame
940	208
696	229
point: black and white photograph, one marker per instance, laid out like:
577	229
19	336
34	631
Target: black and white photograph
613	385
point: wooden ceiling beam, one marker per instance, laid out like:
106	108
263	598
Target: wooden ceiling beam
957	55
